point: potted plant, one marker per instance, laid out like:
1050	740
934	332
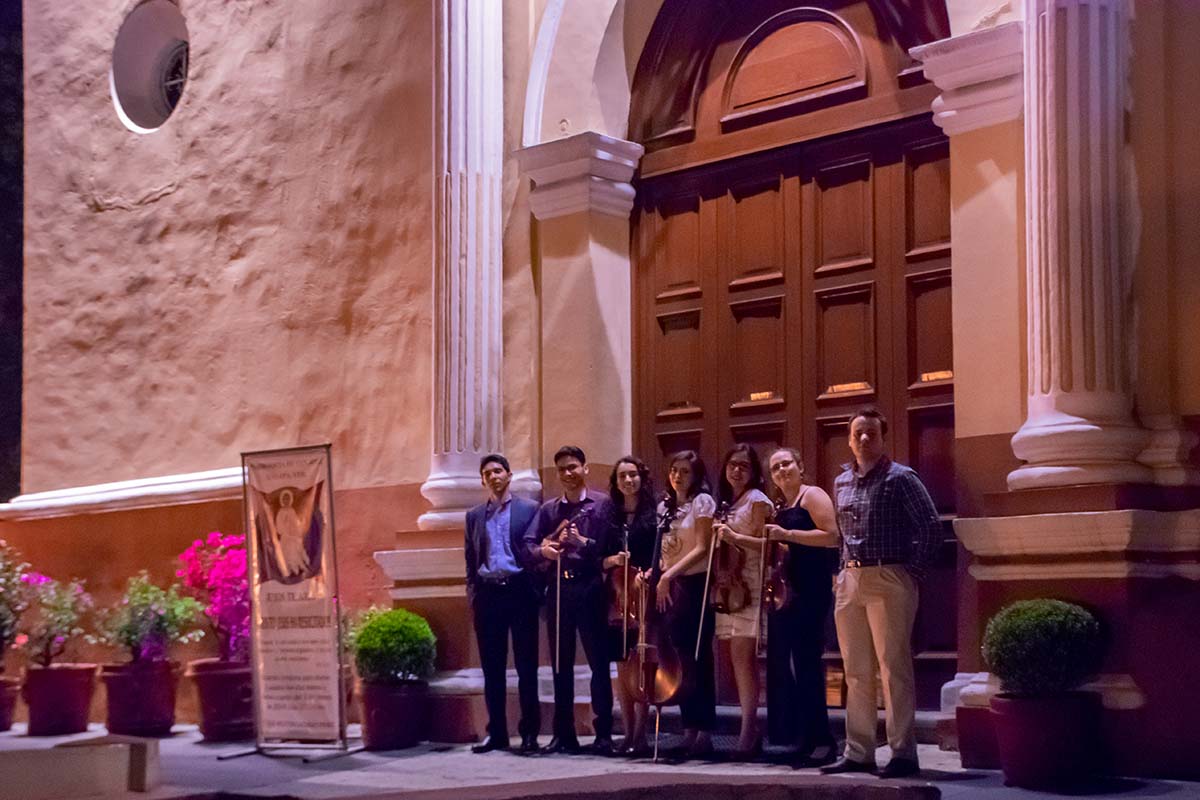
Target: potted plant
214	571
59	695
13	600
141	692
394	652
1042	651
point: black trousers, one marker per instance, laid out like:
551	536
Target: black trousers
584	610
698	704
497	611
796	709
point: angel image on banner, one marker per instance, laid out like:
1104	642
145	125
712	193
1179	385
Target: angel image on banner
290	529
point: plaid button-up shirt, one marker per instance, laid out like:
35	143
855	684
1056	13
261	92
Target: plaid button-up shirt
887	514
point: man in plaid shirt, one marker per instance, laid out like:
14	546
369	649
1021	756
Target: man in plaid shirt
890	533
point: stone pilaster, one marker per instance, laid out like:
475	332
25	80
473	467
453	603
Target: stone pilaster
582	198
467	398
1079	427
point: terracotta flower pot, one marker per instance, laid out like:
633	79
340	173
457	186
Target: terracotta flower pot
141	697
9	689
59	697
1047	742
226	693
395	715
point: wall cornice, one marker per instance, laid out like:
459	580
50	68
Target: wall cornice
585	172
980	74
167	490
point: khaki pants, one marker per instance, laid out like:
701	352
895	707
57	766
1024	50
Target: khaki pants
874	611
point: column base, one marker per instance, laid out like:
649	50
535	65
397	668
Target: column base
1065	450
1094	497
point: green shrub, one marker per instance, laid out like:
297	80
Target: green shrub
394	646
1039	647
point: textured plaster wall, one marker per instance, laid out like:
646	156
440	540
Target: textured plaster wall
254	274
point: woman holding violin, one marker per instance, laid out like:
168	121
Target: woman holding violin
629	555
806	524
741	537
687	518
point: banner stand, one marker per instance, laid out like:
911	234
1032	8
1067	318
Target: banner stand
295	612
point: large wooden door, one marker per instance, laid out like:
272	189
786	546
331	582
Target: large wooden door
777	293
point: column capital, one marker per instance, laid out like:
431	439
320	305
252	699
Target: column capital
585	172
980	75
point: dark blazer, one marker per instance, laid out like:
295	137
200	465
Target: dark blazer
475	543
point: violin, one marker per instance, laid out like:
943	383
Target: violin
622	608
775	591
728	593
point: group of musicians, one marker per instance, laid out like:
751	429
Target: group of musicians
648	581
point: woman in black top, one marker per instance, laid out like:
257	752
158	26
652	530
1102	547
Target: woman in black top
633	530
796	709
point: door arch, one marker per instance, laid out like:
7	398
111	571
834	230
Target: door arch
791	246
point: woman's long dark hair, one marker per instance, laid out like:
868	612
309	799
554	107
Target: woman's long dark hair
645	495
756	472
699	477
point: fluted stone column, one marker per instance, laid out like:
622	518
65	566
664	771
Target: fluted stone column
467	399
1079	428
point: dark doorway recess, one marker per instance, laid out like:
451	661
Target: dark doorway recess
11	249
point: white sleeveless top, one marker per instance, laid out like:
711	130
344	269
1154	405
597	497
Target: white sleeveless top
682	536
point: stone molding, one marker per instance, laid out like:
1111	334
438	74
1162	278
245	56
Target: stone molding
424	573
980	75
586	172
1169	449
1118	691
1065	546
1080	427
167	490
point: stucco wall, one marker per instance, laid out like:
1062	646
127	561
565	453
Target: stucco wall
255	273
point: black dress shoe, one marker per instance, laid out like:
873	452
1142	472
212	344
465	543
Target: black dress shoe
901	768
562	745
846	765
820	756
489	744
603	746
529	745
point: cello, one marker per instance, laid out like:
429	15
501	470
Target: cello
659	679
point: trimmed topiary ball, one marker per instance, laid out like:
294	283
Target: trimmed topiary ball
1040	647
394	647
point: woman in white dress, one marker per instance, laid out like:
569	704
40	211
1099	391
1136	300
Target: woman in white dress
741	487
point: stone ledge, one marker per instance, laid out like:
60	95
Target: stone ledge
166	490
980	75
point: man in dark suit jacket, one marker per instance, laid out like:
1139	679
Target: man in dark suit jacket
504	595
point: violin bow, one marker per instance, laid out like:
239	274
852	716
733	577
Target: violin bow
723	513
625	611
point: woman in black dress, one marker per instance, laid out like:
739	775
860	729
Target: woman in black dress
796	709
633	531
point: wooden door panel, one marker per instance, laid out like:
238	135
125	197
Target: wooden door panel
845	334
845	224
677	270
930	353
679	349
927	198
931	443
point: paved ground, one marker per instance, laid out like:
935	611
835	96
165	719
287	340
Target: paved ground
190	769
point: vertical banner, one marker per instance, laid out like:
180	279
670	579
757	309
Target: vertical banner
295	626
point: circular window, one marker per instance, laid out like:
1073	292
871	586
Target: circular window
150	64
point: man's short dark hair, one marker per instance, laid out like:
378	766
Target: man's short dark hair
570	451
870	412
494	458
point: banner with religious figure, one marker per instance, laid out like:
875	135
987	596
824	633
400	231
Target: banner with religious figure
295	625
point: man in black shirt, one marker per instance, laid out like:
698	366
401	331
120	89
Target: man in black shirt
566	539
